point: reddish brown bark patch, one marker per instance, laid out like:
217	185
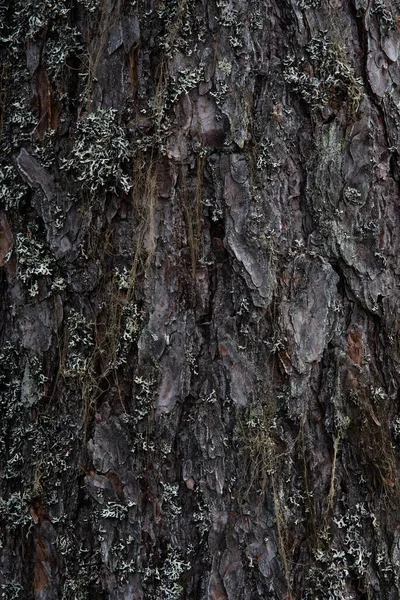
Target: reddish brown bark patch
6	239
117	483
223	350
216	590
41	579
355	348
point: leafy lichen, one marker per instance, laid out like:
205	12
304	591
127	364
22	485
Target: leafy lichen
327	79
100	155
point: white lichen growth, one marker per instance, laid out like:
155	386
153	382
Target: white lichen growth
91	5
100	155
225	66
186	80
167	578
14	510
113	510
144	397
170	499
334	566
329	79
80	344
11	590
35	264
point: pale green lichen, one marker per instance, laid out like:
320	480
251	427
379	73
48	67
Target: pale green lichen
80	344
100	155
331	78
130	328
12	590
166	579
35	265
335	565
14	510
12	190
91	6
144	390
385	16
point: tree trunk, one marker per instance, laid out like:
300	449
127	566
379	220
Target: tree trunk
199	299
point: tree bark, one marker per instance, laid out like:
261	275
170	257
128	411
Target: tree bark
199	299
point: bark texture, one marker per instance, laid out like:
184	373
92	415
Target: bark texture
199	241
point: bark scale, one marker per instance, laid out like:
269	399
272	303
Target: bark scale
199	300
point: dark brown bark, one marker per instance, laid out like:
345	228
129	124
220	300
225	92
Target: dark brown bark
199	300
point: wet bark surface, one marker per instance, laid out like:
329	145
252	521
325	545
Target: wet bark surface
199	240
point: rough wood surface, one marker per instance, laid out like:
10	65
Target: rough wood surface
199	310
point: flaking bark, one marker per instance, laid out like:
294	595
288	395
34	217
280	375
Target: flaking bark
199	300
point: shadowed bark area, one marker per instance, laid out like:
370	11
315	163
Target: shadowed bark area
199	330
